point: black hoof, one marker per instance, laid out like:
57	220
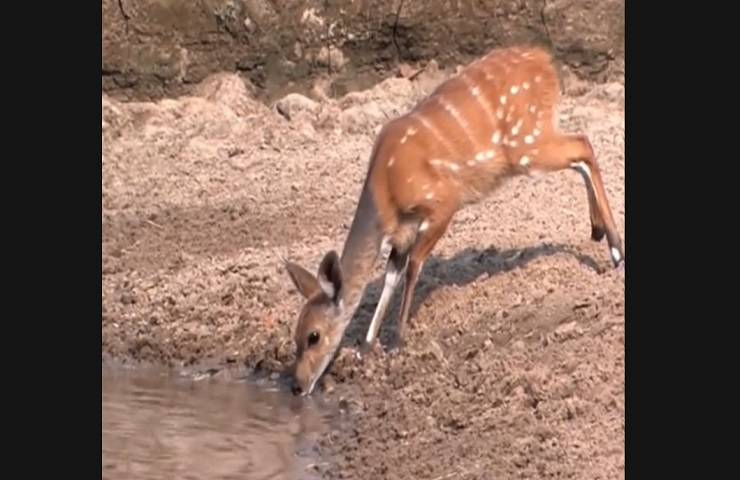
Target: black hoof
597	233
365	348
399	344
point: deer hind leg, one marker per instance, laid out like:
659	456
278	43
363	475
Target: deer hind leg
394	270
576	152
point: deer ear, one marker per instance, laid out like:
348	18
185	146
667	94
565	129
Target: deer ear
303	280
330	276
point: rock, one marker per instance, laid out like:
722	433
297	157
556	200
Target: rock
230	90
362	118
331	58
295	104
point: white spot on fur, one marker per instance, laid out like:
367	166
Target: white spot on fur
536	132
452	110
532	108
496	138
483	156
453	166
524	161
514	89
425	186
403	140
429	195
538	78
424	225
411	131
503	99
529	139
510	114
500	113
513	143
516	127
391	161
471	163
482	100
525	85
435	162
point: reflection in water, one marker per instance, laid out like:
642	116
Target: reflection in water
157	426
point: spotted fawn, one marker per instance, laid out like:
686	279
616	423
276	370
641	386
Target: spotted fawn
491	121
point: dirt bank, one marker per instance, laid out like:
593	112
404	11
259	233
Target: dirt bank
155	48
515	359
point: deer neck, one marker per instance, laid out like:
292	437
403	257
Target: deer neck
360	250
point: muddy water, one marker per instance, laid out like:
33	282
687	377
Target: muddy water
157	426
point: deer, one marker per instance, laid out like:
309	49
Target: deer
493	120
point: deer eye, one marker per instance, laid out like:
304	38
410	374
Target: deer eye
313	337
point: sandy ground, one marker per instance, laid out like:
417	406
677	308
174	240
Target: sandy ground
514	366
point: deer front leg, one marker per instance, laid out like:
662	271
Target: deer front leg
395	267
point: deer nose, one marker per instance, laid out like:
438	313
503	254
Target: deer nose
295	388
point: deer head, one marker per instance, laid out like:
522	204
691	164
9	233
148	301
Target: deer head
321	321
